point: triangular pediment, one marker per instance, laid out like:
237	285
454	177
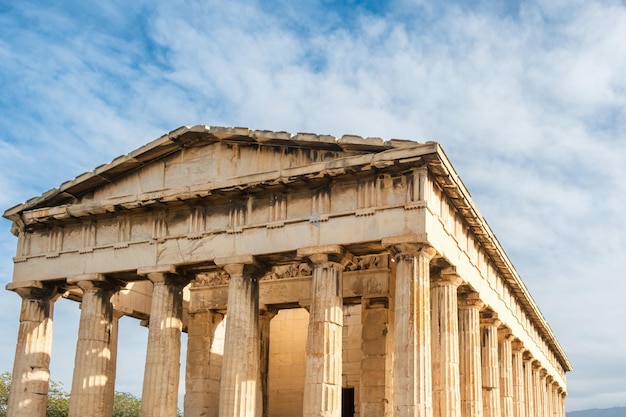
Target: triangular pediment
189	159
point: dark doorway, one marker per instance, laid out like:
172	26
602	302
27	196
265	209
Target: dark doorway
347	402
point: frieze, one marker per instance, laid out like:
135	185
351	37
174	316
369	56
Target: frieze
288	271
369	262
211	279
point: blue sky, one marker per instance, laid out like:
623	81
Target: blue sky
527	99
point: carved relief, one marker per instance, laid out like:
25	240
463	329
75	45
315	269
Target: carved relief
55	242
278	208
320	204
197	221
124	225
88	236
159	228
368	262
23	248
211	279
367	196
237	217
288	271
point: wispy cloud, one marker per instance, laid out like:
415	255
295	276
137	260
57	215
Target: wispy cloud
528	101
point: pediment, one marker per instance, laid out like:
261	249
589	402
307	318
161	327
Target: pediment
190	159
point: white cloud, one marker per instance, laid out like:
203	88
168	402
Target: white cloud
529	106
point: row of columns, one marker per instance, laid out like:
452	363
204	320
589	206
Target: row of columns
459	361
447	361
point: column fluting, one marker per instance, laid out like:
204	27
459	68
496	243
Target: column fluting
94	369
470	371
322	381
490	368
529	385
240	385
31	368
412	366
518	379
162	370
445	345
505	365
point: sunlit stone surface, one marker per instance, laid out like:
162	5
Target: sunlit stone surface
315	276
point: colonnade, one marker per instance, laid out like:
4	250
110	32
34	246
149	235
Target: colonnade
448	355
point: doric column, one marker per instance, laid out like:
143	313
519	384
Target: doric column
162	371
110	388
240	385
412	371
376	363
94	366
322	381
490	368
543	385
518	379
470	371
538	392
265	317
543	393
201	391
562	403
505	365
31	369
529	385
445	344
552	394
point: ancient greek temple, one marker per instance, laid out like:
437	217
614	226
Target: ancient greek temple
313	275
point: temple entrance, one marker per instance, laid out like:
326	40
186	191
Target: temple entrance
347	402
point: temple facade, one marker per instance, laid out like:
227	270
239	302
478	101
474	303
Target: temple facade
313	275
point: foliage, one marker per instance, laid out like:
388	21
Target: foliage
124	404
58	400
5	385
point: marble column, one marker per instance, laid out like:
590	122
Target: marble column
201	391
412	371
470	371
94	369
110	387
265	317
529	385
445	344
537	391
505	365
377	361
552	395
162	370
562	403
490	368
240	384
31	369
322	381
518	379
543	387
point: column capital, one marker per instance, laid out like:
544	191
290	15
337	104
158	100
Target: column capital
34	289
145	271
489	318
446	277
327	253
411	245
95	281
504	333
470	300
266	312
518	346
239	264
